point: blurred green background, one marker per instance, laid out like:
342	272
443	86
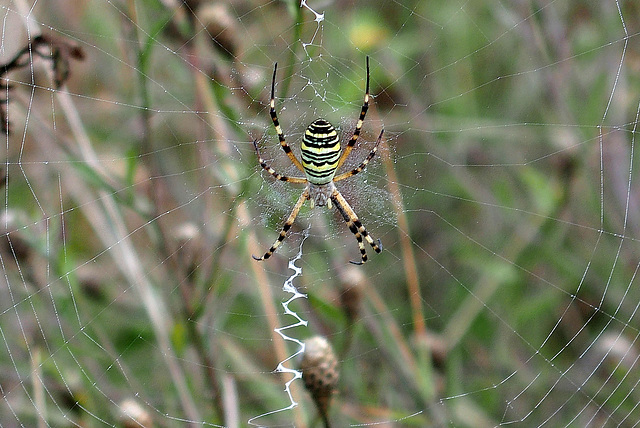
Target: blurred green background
505	194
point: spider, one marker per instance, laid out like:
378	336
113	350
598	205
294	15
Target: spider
321	158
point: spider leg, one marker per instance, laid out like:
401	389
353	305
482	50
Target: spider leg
355	226
286	226
356	133
273	172
364	162
276	123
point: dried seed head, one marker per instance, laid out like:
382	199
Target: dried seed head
222	27
60	51
320	372
132	415
352	282
14	242
189	241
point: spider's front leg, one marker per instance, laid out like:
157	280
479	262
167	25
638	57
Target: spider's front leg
356	132
273	172
364	163
276	123
287	225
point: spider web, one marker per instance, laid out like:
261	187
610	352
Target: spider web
505	194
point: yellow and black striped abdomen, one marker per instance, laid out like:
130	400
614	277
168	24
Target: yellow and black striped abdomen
320	152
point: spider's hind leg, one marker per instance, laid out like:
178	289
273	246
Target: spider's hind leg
285	228
355	226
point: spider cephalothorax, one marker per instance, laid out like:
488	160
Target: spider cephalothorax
321	157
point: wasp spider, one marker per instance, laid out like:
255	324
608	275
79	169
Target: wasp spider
321	158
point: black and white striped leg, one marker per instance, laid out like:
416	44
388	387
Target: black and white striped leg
276	123
273	172
286	227
355	226
356	132
364	162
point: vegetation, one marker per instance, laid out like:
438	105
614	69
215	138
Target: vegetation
505	195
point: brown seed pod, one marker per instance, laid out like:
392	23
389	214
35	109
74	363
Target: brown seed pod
320	374
352	287
132	415
221	26
55	49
